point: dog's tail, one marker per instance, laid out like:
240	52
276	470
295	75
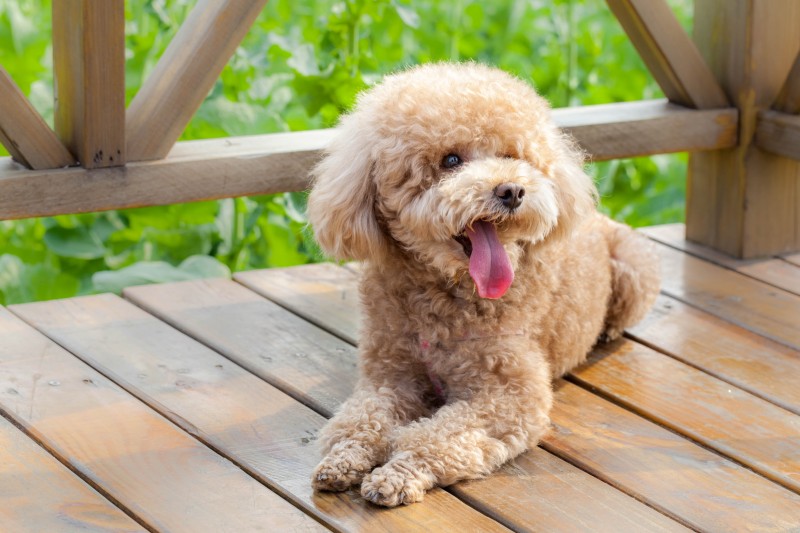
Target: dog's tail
635	278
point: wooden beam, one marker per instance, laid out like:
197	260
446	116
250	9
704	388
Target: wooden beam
745	201
194	170
185	74
261	164
789	98
634	129
779	133
89	69
669	53
24	133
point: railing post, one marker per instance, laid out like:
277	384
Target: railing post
745	201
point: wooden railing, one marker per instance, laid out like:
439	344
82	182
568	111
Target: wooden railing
733	95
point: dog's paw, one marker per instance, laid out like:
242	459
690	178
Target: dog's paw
341	469
394	484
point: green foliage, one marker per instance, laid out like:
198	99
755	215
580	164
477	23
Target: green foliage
300	67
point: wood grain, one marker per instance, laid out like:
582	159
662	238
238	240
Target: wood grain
788	100
24	133
332	287
731	353
745	201
669	54
224	317
778	133
774	271
305	362
734	297
89	72
633	129
675	476
649	477
193	171
265	432
737	424
139	460
185	74
37	493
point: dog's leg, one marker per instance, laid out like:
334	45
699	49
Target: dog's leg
465	439
357	438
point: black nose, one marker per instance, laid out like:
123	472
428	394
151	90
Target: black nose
510	194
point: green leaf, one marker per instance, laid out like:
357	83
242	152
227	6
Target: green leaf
77	242
408	15
146	272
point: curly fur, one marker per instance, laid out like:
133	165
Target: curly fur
382	196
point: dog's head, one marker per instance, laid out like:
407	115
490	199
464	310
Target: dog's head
457	165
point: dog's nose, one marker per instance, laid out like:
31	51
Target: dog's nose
510	194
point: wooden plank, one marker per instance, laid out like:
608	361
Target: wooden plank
632	129
318	370
754	432
333	288
705	490
185	74
639	457
24	133
669	54
40	494
788	99
745	201
89	71
778	133
139	460
279	162
730	353
230	320
195	170
264	431
792	258
774	271
729	295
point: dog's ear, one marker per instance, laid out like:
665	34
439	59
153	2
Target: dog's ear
341	206
576	192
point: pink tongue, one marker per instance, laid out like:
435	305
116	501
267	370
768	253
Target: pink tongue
488	265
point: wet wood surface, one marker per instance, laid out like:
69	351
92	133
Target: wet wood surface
196	406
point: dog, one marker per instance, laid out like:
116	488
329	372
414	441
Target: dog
488	272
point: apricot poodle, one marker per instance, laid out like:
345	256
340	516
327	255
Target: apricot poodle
487	273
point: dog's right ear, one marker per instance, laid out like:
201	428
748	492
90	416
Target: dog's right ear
341	206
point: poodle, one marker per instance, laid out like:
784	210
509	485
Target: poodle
488	272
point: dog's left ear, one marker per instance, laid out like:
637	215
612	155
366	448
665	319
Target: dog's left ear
341	206
576	192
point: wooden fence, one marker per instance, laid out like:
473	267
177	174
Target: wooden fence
733	97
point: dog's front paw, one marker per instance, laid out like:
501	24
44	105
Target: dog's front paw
396	483
342	468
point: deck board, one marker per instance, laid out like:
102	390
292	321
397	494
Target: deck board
774	271
733	354
198	402
39	493
142	462
264	431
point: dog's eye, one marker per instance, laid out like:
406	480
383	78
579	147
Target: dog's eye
451	161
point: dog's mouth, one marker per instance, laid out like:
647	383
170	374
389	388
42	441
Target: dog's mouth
489	265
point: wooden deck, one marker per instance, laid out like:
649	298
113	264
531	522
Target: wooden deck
194	407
